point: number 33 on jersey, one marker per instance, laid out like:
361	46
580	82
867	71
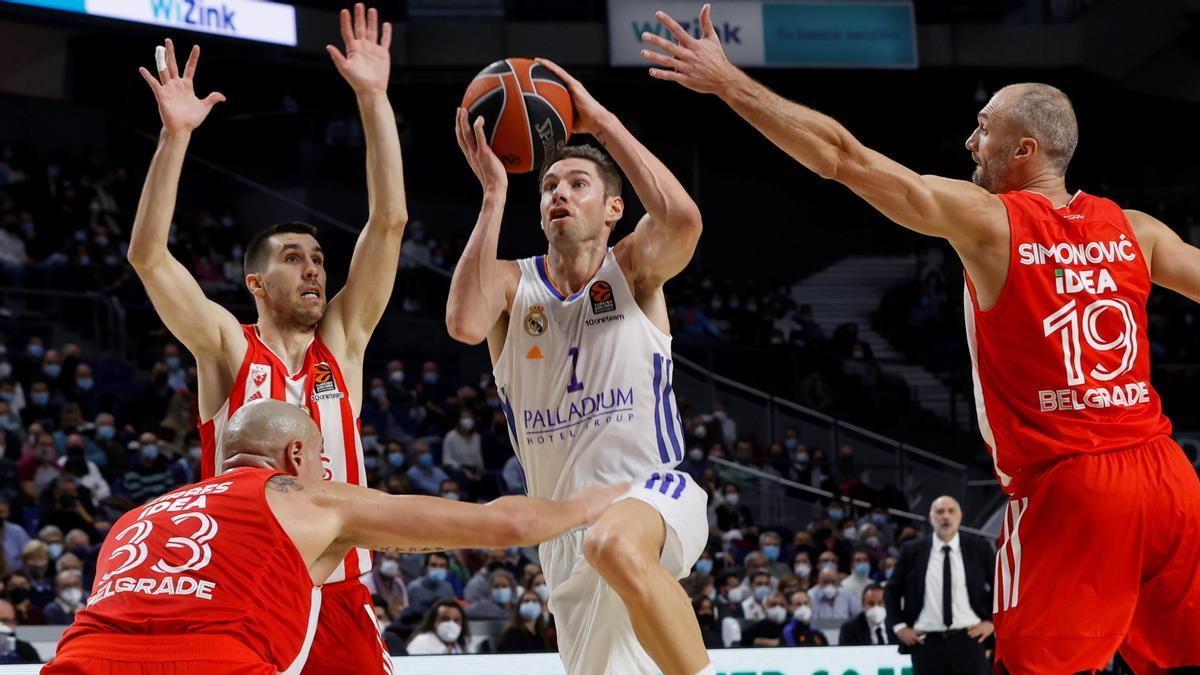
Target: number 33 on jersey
1061	362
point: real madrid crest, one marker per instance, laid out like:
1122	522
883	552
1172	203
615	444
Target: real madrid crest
535	320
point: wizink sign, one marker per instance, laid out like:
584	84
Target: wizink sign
778	33
257	20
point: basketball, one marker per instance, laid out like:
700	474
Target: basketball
526	111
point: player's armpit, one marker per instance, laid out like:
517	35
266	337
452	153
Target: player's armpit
197	322
1173	263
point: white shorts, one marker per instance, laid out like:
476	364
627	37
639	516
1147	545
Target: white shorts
595	636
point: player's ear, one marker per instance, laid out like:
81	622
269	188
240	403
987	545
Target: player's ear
293	457
255	285
614	208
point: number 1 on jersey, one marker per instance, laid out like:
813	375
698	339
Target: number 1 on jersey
575	384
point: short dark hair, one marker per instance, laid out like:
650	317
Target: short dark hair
608	171
257	248
437	554
871	587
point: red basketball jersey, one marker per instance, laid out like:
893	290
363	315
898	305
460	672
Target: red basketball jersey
208	558
1061	362
319	388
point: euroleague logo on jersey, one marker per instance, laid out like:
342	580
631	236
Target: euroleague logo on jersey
324	383
601	295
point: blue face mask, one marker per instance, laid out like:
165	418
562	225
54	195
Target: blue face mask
52	370
172	362
371	462
425	459
531	610
40	398
771	552
436	573
836	514
85	383
105	432
879	519
791	443
761	592
378	392
55	551
150	452
704	566
37	351
501	596
396	459
862	569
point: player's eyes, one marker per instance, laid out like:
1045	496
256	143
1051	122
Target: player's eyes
292	258
580	183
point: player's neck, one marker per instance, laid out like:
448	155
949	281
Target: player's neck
288	341
1053	188
572	267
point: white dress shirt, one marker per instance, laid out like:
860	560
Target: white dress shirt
930	619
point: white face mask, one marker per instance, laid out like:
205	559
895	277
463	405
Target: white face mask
803	569
732	499
71	596
737	594
389	567
803	614
829	591
448	631
876	615
542	591
777	614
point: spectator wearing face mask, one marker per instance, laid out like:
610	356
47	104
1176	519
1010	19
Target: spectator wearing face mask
384	411
513	476
109	443
149	473
388	582
732	514
81	390
710	626
431	587
52	537
860	574
803	569
13	650
526	632
499	605
768	632
831	601
39	463
730	594
695	463
799	632
825	540
19	590
769	545
84	472
444	630
35	565
870	627
878	517
68	589
41	404
424	476
705	563
462	449
754	607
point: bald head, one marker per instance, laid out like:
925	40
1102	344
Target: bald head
1045	114
277	432
946	515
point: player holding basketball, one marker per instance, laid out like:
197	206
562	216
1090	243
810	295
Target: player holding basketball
197	581
1056	288
582	357
301	349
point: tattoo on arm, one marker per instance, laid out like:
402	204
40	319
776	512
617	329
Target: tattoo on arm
285	484
409	549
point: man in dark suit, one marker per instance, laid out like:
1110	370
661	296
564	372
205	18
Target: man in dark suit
939	599
870	626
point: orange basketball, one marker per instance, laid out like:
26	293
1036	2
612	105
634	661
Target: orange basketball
526	111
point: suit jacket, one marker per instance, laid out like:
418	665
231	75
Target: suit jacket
857	631
904	594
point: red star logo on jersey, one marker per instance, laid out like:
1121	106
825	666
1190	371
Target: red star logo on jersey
259	378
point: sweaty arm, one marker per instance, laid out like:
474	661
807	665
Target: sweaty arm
1174	263
483	286
357	309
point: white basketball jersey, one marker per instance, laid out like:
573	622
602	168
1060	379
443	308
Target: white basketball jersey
585	382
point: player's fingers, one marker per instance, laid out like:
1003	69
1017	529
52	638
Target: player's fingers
672	25
360	20
336	55
459	131
556	69
480	139
346	28
706	24
189	68
150	80
664	74
386	40
659	59
372	24
214	98
172	65
661	43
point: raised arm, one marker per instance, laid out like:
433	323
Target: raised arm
1174	263
482	288
960	211
664	240
405	523
193	319
356	310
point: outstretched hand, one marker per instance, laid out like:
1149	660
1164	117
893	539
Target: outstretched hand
367	61
698	64
486	166
178	105
588	111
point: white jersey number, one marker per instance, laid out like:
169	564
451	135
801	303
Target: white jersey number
196	544
1071	324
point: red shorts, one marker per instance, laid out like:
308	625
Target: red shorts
1102	553
347	639
100	654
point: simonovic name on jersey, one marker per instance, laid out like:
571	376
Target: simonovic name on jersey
575	418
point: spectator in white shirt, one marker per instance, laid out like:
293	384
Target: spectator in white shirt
462	449
831	601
